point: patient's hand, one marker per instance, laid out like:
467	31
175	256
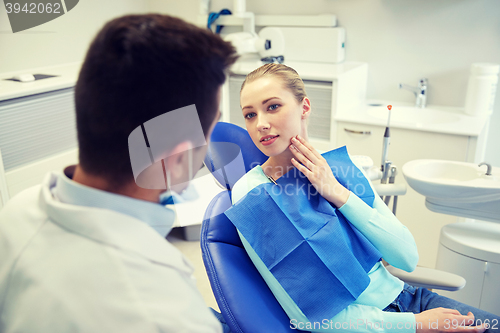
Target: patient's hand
316	169
446	320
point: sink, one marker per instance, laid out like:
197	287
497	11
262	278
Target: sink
409	114
456	188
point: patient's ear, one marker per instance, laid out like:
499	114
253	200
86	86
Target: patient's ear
306	108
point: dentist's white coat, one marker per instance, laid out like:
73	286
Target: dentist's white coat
67	268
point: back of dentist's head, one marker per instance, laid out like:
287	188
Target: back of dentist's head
289	77
139	67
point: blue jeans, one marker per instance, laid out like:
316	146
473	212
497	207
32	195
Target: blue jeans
417	300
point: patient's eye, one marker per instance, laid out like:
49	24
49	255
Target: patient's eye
250	115
273	107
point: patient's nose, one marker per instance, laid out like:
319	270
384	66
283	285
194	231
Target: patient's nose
262	123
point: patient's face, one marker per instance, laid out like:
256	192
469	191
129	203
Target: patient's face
272	115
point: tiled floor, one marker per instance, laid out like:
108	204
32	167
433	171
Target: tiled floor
192	251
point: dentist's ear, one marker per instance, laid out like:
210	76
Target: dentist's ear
306	108
178	163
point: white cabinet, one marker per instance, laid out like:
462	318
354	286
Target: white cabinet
37	127
472	249
472	270
37	135
482	289
490	295
407	145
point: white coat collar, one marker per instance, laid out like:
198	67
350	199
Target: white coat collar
155	215
108	226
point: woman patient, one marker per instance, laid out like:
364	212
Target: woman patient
276	111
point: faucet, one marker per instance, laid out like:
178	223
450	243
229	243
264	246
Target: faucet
488	166
420	92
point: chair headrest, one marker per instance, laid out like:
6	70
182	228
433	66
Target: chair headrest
231	154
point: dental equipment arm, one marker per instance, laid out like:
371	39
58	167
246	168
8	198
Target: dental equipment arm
385	164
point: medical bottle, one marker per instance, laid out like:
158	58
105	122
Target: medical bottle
481	89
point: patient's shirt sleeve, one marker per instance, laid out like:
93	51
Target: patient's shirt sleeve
384	231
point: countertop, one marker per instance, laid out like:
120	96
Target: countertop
67	75
461	124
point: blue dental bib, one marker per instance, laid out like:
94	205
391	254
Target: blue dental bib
317	256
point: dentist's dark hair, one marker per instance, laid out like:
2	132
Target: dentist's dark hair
139	67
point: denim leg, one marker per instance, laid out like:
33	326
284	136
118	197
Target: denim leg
431	300
404	301
417	300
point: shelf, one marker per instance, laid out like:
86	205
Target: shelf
307	70
325	20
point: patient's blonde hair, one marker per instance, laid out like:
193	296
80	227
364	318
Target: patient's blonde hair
290	78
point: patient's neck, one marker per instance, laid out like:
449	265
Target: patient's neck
277	166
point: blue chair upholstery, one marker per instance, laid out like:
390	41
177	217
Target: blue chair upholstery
227	144
244	299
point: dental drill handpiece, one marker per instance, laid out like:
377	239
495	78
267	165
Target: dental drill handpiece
385	149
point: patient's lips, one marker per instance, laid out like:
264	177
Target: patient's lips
268	139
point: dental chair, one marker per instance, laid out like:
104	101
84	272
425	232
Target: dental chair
244	299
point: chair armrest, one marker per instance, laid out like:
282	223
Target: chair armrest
429	278
390	189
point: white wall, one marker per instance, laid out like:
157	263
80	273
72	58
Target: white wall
403	41
185	9
65	39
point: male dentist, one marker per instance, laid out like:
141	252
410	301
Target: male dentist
85	251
